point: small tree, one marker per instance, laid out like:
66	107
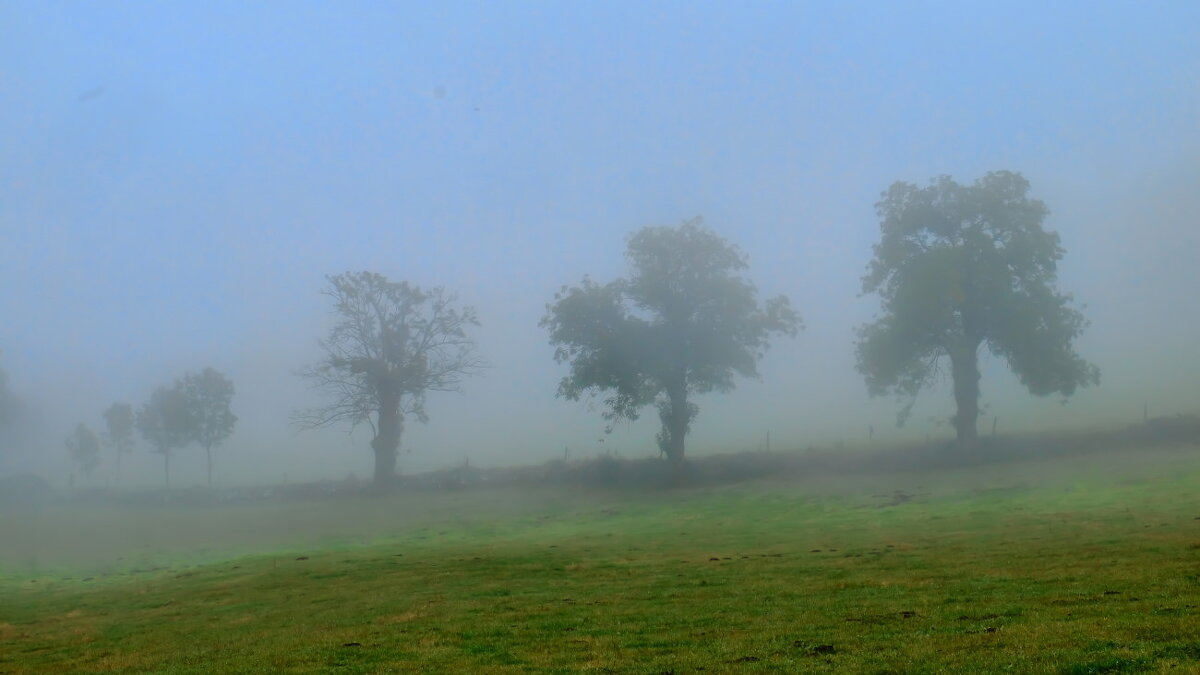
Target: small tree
84	446
686	322
120	423
391	345
164	423
207	395
959	267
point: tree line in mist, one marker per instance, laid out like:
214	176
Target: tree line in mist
957	268
192	410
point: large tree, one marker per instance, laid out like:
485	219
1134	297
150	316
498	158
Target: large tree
958	268
685	322
84	447
119	420
165	424
392	344
207	395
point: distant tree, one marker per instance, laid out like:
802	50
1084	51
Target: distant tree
960	267
84	446
10	405
120	423
207	395
685	322
392	344
164	422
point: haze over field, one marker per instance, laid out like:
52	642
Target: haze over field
177	180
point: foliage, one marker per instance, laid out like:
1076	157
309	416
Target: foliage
84	447
119	420
165	424
392	343
207	395
685	322
958	267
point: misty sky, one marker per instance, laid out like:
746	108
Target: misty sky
176	179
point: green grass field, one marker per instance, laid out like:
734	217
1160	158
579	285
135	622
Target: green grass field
1088	565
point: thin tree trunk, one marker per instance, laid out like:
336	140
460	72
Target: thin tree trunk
964	363
208	457
167	469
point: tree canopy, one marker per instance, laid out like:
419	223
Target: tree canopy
207	395
685	322
958	267
165	424
391	345
119	421
84	447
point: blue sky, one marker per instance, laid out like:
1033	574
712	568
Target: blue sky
177	178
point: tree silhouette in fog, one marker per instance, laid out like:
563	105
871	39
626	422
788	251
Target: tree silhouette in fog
961	267
684	322
119	421
164	423
84	447
392	343
10	405
207	395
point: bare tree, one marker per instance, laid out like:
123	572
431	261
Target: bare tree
392	344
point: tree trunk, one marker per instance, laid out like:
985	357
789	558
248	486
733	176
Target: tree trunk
675	421
118	482
964	363
386	443
167	469
208	459
385	469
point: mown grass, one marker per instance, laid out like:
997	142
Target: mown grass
1074	567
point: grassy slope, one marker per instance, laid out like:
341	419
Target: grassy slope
1059	568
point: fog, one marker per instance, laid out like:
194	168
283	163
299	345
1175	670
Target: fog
177	181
